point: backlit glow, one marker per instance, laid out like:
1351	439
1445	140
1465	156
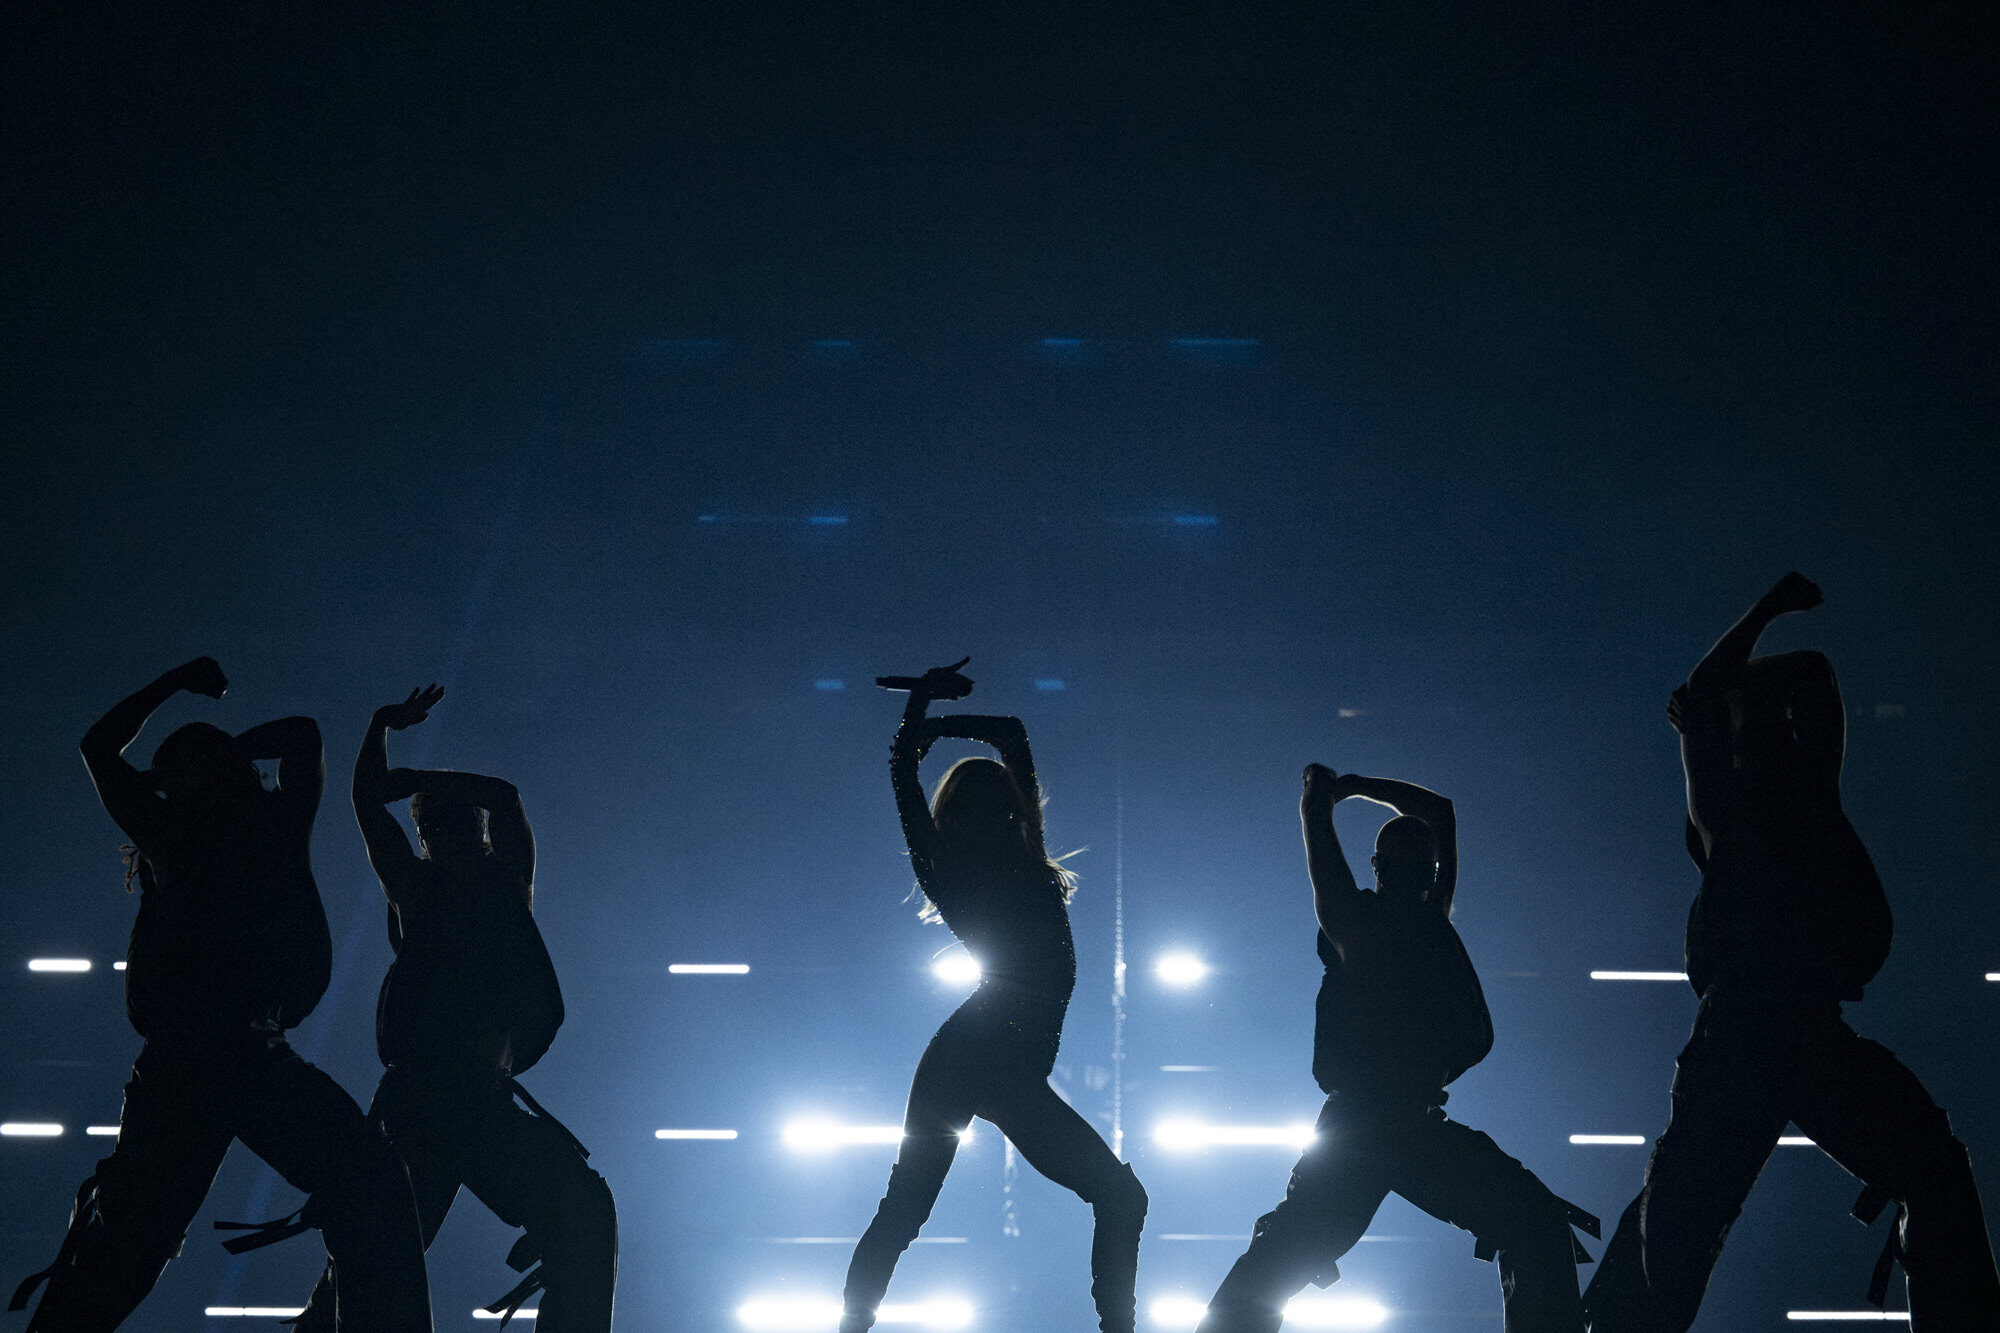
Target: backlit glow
1609	1140
59	965
817	1135
30	1129
1180	969
1307	1311
708	969
694	1133
1185	1135
1638	976
957	969
820	1314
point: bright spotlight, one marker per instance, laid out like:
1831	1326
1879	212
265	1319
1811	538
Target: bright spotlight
1180	969
1177	1311
816	1314
818	1135
1191	1135
59	965
957	969
1334	1312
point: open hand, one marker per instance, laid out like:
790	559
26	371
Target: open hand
202	676
1794	592
412	710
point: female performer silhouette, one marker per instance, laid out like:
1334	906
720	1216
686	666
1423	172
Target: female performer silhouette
979	858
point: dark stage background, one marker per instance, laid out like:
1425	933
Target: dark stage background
1414	388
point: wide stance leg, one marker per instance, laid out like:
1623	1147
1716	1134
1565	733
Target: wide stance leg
1461	1176
1727	1115
528	1170
940	1108
1334	1191
299	1120
1870	1114
132	1216
1063	1146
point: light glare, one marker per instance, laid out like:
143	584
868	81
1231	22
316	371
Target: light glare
101	1131
708	969
1190	1135
1638	976
1609	1140
818	1135
30	1129
253	1311
957	969
694	1134
1848	1316
1180	969
59	965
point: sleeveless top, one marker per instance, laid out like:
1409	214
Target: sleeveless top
1403	1014
230	934
472	982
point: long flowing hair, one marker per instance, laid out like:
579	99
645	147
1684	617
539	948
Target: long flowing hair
1033	854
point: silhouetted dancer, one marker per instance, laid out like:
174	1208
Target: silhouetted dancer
470	1003
1400	1015
229	950
979	858
1790	921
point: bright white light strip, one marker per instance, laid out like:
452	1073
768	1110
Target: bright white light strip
1611	1140
817	1135
957	969
1796	1141
101	1131
253	1311
1848	1316
518	1314
59	965
1180	969
1638	976
708	969
29	1129
694	1133
1300	1312
1189	1135
1993	976
814	1314
118	966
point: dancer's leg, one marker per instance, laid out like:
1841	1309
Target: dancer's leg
1063	1146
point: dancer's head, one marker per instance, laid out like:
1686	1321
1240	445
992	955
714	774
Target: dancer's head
450	829
980	810
1405	860
200	765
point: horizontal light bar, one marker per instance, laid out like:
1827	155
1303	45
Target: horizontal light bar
1189	1069
1190	1135
1848	1316
1796	1141
118	966
816	1135
1308	1311
1993	976
59	965
708	969
1609	1140
101	1131
694	1133
1180	969
253	1311
1638	976
30	1129
815	1314
957	969
518	1314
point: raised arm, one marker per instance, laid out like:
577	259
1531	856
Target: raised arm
1336	897
1726	662
128	795
1407	798
373	790
1009	736
906	754
295	743
506	818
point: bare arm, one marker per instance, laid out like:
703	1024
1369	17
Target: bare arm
295	743
1336	897
127	794
1726	662
373	790
506	817
1407	798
